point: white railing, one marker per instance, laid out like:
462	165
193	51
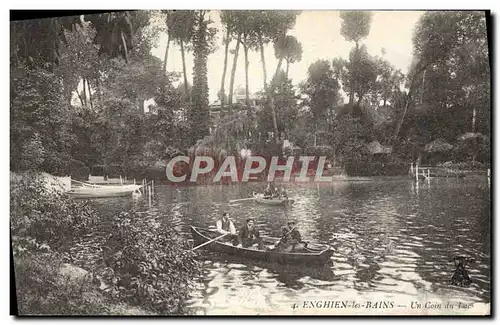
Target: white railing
424	171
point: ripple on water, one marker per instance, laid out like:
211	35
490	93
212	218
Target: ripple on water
389	243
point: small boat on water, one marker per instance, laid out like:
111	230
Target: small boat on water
103	191
319	255
261	199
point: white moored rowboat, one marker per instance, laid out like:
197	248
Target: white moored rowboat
101	191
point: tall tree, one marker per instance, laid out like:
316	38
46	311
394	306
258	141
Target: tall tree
203	45
165	59
164	16
451	48
285	107
267	26
355	26
388	84
364	72
245	24
233	71
181	24
227	20
293	53
282	46
357	79
322	92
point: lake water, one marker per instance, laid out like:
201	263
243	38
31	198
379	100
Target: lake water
394	241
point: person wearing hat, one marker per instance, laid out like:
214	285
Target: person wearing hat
268	191
290	238
249	235
226	226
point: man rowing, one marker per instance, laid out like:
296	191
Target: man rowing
226	226
249	235
291	240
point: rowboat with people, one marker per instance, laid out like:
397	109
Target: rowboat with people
312	254
269	200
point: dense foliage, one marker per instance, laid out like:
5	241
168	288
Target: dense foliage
47	216
148	264
87	107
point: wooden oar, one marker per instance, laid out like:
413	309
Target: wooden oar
239	200
208	242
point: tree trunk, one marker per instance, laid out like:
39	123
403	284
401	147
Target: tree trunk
278	67
473	119
222	90
124	44
315	134
359	100
400	123
84	93
287	66
263	60
233	72
247	94
81	99
408	99
98	89
90	96
141	106
271	101
186	89
422	88
166	54
353	80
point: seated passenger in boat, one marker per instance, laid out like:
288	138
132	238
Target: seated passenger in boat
291	240
249	235
226	226
283	193
268	192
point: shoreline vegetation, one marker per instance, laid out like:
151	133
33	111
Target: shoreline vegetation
66	264
77	100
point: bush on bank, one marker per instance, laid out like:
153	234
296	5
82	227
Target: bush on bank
147	265
47	215
138	262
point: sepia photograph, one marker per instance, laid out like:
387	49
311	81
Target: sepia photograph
250	162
